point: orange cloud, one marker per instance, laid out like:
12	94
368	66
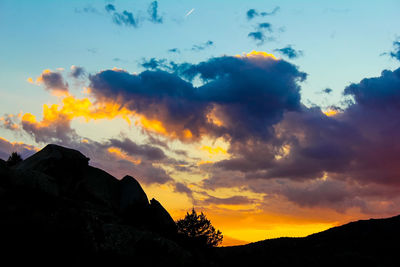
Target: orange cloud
331	112
257	54
72	107
122	155
214	150
158	127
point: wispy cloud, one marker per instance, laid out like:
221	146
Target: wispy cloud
200	47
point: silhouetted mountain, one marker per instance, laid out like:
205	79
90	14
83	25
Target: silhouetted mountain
57	210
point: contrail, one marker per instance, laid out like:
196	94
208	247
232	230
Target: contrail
190	12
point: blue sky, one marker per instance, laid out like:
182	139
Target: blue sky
342	41
338	43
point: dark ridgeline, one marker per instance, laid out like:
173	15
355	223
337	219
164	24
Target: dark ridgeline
56	210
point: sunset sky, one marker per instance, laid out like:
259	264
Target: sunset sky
274	118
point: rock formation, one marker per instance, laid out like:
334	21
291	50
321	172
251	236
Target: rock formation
57	210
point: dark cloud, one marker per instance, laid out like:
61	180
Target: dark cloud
58	130
53	81
183	188
377	93
327	90
125	18
260	33
265	26
153	63
290	52
249	94
174	50
153	13
257	36
146	152
110	8
347	160
77	72
252	13
396	52
203	46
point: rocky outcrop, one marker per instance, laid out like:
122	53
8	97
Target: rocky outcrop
57	210
132	194
64	164
34	180
99	187
161	219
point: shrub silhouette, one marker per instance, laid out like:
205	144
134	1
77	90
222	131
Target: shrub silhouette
197	231
13	159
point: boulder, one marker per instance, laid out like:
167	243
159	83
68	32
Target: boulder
161	219
99	187
131	194
31	179
64	164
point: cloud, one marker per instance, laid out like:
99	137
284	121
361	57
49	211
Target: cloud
174	50
396	52
7	147
260	32
234	200
77	72
273	12
257	36
183	188
124	18
241	97
10	122
55	126
53	81
110	8
145	151
153	63
202	46
341	160
327	90
252	13
290	52
153	13
87	9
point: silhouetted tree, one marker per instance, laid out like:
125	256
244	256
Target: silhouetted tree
198	231
14	159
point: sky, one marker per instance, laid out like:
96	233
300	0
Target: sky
274	118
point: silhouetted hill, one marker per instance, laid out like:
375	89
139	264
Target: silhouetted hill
56	210
373	242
